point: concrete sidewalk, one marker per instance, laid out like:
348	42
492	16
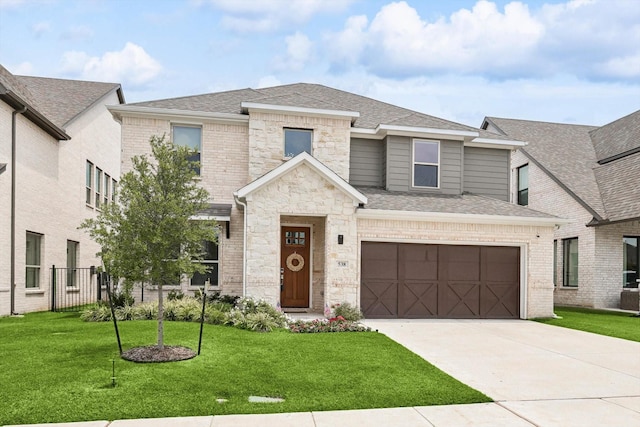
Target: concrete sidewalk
538	375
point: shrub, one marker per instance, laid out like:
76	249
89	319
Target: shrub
261	322
213	315
100	312
126	312
236	318
146	311
335	324
346	311
188	309
174	295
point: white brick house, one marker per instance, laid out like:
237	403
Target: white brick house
590	175
52	130
324	197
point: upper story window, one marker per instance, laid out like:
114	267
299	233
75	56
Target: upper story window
191	137
426	163
523	185
89	183
98	187
296	141
107	188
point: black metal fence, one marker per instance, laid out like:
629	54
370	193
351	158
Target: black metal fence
74	288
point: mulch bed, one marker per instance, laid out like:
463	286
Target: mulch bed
153	354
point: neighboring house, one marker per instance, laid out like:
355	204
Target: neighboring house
590	175
324	196
66	150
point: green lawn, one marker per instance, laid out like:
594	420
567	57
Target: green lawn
56	368
611	323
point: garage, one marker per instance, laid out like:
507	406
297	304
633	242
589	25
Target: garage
406	280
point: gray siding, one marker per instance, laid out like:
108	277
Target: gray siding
398	163
398	168
486	172
366	165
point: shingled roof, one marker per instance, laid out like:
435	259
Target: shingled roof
569	154
63	100
372	113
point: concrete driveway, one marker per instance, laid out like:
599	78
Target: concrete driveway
547	375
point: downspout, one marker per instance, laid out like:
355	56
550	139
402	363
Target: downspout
12	283
244	245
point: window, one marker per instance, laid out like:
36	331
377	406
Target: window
114	187
107	188
296	141
426	161
98	187
631	261
570	262
89	182
523	185
32	263
191	137
72	263
211	261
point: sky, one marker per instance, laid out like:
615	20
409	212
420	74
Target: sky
569	61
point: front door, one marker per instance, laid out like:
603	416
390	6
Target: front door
294	267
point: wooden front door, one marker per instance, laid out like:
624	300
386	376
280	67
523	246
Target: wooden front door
294	267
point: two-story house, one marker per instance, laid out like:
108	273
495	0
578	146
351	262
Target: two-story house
590	175
59	162
324	196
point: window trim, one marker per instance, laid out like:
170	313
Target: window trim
555	262
284	141
201	145
519	191
36	267
414	163
106	194
566	270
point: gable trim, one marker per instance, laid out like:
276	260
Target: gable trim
291	164
254	106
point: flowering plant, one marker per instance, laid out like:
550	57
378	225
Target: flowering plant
334	324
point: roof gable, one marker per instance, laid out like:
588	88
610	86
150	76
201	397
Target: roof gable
551	146
617	138
302	158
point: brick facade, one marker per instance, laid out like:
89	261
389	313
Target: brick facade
50	195
599	248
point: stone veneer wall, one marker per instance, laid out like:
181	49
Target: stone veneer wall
536	240
330	145
302	192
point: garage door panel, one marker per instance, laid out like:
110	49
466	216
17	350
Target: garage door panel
418	300
500	300
461	263
501	264
379	261
418	262
379	299
459	300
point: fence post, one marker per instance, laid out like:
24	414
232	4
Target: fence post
99	282
53	288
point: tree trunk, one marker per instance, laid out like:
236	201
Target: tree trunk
160	318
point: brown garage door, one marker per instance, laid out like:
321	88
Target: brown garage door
401	280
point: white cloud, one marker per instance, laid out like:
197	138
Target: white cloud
131	65
81	32
40	28
270	15
589	38
299	53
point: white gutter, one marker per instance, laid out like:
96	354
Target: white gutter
171	113
458	217
321	112
244	244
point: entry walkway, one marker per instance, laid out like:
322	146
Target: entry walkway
538	375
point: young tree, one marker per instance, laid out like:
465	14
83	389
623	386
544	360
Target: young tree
149	235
